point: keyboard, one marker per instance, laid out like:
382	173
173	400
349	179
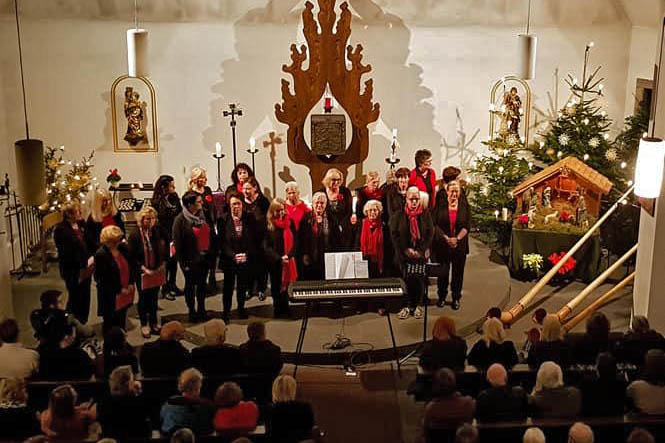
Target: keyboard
351	289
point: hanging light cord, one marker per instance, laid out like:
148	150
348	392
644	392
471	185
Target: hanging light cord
20	62
528	18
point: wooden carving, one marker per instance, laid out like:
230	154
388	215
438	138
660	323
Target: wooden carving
328	52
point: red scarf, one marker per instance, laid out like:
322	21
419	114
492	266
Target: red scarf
239	187
371	240
289	271
413	222
377	194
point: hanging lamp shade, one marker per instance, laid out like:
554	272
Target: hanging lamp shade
29	155
526	56
137	52
649	168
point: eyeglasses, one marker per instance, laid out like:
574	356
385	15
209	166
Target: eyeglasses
414	199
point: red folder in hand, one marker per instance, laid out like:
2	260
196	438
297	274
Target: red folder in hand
125	298
157	278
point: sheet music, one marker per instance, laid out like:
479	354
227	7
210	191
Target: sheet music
343	265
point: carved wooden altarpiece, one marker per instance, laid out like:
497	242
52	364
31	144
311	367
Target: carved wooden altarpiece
328	53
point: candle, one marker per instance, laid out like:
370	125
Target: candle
392	157
504	214
252	143
327	105
218	149
496	214
394	132
355	203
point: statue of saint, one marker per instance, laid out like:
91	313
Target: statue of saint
547	197
582	219
135	118
512	103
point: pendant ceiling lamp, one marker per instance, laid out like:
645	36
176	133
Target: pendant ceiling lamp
29	153
137	48
526	51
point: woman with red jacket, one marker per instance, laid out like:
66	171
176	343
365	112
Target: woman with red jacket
279	246
423	176
295	207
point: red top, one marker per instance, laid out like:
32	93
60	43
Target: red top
202	234
417	179
108	220
296	212
123	266
244	415
452	215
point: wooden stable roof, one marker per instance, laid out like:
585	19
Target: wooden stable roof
596	180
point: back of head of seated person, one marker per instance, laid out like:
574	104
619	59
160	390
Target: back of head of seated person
549	376
64	419
284	389
50	303
533	435
580	433
184	435
640	435
256	331
172	331
190	382
552	330
122	382
467	434
13	390
444	383
215	332
233	413
228	395
497	376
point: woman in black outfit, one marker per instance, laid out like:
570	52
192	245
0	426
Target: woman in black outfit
339	209
115	276
451	218
73	255
551	346
371	191
279	245
445	350
146	246
395	195
289	420
493	347
124	412
256	204
166	202
240	174
192	238
239	252
315	239
102	214
117	352
198	183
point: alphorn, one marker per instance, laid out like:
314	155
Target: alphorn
571	305
507	317
601	301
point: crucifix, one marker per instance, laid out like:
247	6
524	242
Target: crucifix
272	144
232	112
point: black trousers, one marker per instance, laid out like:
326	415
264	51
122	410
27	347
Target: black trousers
280	299
171	271
195	288
415	288
453	264
78	300
258	276
147	306
237	276
114	318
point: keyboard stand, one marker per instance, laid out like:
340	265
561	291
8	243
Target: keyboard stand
303	329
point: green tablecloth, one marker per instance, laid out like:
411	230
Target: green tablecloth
529	241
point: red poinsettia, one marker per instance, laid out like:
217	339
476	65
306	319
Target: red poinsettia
555	258
564	217
523	219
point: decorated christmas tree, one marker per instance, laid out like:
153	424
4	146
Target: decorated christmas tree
66	185
581	129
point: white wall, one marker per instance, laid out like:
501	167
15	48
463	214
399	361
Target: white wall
643	48
425	65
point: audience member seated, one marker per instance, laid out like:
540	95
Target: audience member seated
636	342
467	434
17	419
550	398
184	435
15	359
648	393
123	413
448	409
445	350
64	419
580	433
595	341
493	347
117	352
59	357
166	356
234	415
640	435
533	435
551	346
289	420
259	354
500	401
216	357
51	305
188	410
604	393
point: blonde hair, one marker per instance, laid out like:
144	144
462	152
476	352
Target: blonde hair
493	331
120	380
194	175
111	234
275	205
549	376
329	175
99	196
13	389
284	389
372	175
215	331
69	207
190	381
551	328
144	212
372	204
424	199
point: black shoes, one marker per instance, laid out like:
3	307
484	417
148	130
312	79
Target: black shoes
262	296
455	305
441	303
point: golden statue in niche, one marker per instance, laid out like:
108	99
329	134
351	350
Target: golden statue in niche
135	118
512	110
